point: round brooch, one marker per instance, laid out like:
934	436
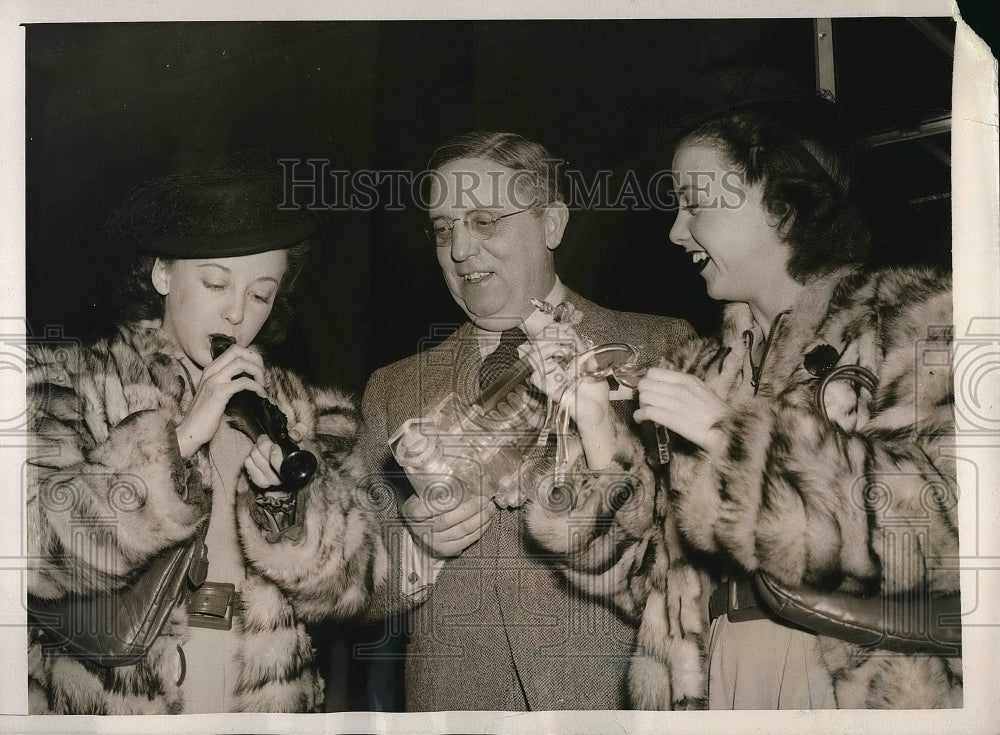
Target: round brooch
820	360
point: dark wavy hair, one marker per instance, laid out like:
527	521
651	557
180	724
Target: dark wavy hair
797	151
511	150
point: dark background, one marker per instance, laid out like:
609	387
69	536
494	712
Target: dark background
110	105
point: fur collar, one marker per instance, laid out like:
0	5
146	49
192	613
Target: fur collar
148	339
796	332
160	357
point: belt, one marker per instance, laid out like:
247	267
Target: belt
737	598
211	605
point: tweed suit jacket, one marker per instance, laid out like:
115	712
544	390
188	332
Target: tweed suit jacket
500	631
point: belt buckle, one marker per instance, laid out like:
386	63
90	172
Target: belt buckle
211	606
743	604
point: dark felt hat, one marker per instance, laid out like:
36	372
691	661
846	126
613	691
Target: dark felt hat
717	91
231	207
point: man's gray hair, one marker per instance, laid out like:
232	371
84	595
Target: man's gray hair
510	150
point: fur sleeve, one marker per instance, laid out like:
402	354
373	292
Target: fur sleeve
105	479
863	498
598	526
612	537
335	561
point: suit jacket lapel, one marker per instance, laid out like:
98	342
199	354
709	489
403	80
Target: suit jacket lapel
452	366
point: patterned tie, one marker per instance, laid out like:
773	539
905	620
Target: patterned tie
505	355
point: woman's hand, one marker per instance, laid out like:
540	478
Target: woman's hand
264	461
217	385
451	529
554	357
684	404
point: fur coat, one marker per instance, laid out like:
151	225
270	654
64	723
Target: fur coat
859	498
107	490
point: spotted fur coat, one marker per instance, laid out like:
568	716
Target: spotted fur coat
107	489
860	497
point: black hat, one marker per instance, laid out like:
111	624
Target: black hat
719	90
233	206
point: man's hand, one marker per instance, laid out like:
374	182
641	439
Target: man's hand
446	532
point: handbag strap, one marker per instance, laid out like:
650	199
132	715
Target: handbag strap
915	623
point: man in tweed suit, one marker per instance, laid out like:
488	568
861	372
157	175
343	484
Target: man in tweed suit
498	631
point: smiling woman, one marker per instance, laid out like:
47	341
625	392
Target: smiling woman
729	235
249	558
802	458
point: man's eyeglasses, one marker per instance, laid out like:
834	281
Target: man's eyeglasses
481	224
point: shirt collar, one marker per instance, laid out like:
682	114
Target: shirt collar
534	324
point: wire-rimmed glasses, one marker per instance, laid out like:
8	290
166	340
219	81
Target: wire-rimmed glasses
481	224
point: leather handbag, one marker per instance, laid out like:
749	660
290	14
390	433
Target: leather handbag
117	628
918	623
915	622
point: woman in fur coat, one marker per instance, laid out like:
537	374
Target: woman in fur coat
849	488
134	455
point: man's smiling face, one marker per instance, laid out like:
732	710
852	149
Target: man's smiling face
493	280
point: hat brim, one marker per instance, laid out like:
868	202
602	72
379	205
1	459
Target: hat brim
232	245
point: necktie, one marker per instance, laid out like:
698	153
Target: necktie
505	355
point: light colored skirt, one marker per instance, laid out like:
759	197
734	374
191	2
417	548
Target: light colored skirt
211	670
759	664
